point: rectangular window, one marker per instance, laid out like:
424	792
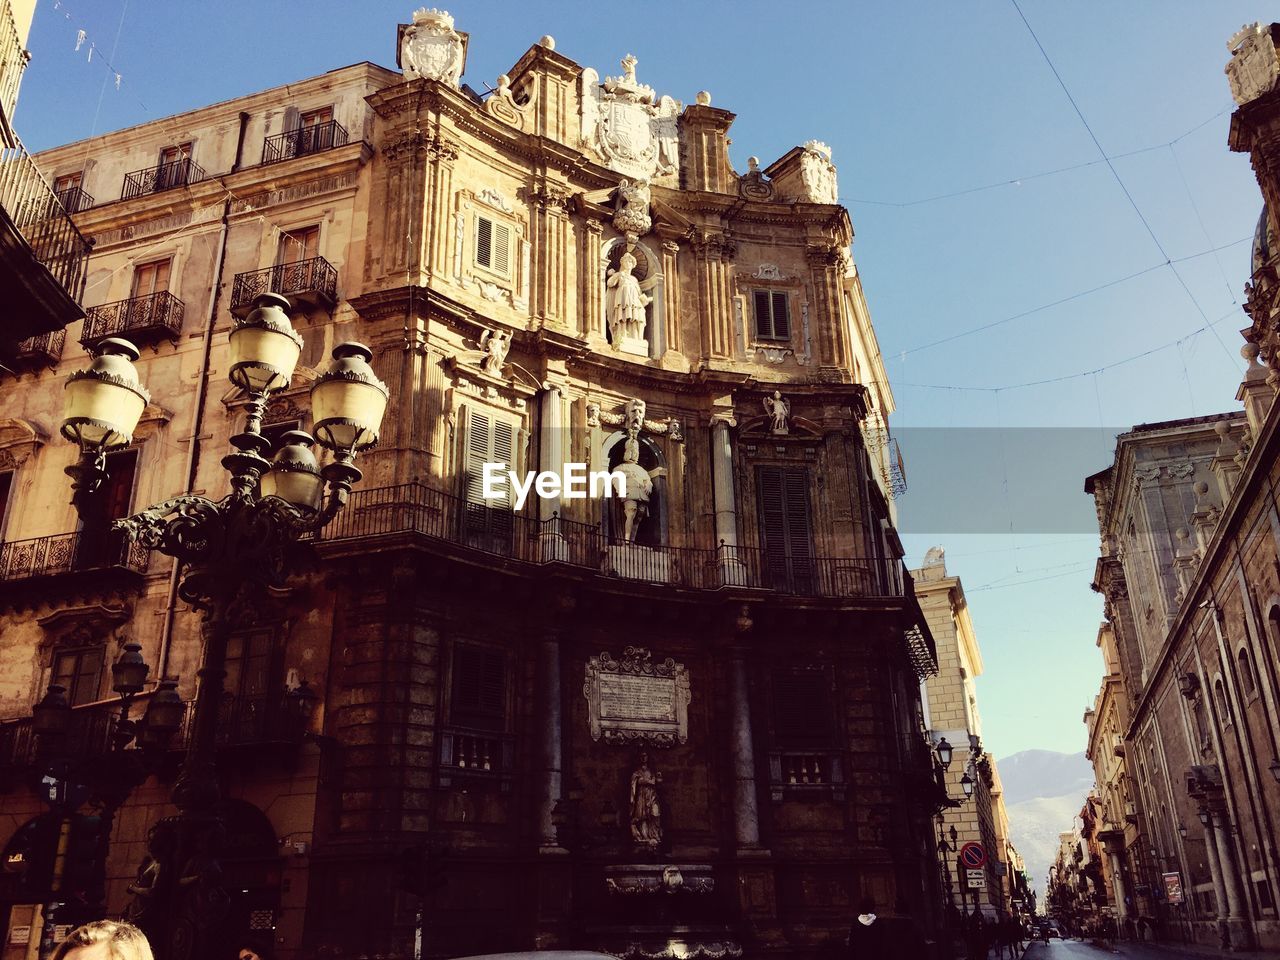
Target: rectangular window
6	491
244	717
68	181
117	491
274	431
802	715
175	166
298	245
315	131
773	316
786	530
490	523
478	692
149	278
313	118
80	672
493	245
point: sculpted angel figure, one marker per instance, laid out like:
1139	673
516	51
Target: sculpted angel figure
780	410
626	302
495	345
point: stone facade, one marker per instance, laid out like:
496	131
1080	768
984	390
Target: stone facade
567	271
1190	535
951	712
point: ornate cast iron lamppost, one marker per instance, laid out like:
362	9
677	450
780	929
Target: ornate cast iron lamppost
228	551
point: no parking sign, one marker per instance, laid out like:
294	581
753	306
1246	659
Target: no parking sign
972	855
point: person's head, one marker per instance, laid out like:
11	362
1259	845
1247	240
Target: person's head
254	947
105	940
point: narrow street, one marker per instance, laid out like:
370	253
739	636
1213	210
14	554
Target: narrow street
1082	949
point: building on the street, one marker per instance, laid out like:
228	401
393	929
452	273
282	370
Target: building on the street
973	783
1189	568
42	254
686	721
1131	877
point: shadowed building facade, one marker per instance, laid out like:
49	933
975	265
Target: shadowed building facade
687	718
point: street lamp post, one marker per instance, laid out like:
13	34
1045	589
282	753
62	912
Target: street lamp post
228	552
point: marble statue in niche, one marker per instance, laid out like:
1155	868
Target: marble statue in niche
645	807
495	344
626	305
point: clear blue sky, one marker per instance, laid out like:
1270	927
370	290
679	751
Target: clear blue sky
917	101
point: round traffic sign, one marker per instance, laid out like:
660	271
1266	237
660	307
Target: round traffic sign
972	855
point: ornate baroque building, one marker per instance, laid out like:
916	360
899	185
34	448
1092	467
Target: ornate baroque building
684	719
1189	567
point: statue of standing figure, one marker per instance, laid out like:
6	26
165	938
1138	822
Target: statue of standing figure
626	302
780	410
646	811
639	485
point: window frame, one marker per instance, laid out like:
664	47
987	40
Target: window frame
73	688
773	297
286	237
495	224
139	271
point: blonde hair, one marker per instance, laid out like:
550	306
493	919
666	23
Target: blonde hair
124	940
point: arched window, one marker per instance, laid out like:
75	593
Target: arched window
1248	683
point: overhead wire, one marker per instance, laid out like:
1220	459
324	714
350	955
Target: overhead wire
1119	180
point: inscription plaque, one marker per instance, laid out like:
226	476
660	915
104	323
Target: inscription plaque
634	700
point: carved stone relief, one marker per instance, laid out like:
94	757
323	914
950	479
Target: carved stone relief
634	700
622	124
431	48
818	173
1254	66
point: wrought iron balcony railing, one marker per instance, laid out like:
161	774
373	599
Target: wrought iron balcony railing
164	176
303	141
472	754
141	320
74	199
42	350
35	211
417	509
13	60
250	720
312	282
68	553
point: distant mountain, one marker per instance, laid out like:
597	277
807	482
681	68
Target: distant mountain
1043	773
1043	792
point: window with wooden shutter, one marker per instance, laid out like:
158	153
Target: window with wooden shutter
117	491
80	673
802	708
772	313
786	531
489	523
493	245
299	245
149	278
478	692
6	491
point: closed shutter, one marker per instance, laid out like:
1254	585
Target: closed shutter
781	317
764	327
6	490
489	522
802	709
79	672
479	693
493	245
785	527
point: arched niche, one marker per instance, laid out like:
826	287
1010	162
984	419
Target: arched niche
653	529
648	271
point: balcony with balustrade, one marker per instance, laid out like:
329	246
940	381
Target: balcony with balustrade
36	353
311	283
418	512
164	176
64	565
43	256
303	141
140	320
74	199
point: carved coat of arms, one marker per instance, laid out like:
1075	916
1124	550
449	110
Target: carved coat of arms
818	173
431	48
622	123
1254	66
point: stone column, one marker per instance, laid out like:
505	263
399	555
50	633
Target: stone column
589	294
1215	870
551	457
1117	881
731	570
671	293
746	814
549	739
1237	915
